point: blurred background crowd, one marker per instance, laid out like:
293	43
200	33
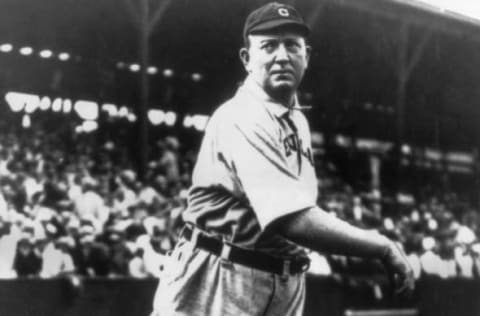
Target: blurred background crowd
82	210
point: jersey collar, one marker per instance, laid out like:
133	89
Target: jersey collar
278	109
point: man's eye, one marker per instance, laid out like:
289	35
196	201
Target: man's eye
268	47
293	46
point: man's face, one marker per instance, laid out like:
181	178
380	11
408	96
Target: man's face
276	60
24	248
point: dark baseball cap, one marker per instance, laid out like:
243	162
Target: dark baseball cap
272	16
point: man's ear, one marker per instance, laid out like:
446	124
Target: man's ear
245	58
308	53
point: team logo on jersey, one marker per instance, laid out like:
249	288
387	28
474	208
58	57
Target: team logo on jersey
292	143
283	12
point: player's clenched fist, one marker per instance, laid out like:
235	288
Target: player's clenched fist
399	269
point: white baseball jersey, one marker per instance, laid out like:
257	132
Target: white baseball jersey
255	165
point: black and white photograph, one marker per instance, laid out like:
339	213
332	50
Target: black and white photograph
239	158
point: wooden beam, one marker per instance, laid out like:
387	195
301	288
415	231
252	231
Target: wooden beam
158	13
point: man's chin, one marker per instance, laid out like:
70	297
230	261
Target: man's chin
283	85
281	90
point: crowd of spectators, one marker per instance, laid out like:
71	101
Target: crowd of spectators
82	210
439	232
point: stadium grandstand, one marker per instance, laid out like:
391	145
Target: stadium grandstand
102	109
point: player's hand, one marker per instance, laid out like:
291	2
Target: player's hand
399	270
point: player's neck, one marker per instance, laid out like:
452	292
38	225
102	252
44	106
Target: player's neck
283	96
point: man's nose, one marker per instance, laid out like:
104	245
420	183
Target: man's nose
281	53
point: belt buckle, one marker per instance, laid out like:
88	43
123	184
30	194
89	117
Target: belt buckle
286	268
225	253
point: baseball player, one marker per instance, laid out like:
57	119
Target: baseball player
252	205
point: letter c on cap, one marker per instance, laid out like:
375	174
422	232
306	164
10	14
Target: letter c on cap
283	12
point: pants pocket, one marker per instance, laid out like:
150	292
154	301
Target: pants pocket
177	263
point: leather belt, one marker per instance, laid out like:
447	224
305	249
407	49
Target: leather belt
249	258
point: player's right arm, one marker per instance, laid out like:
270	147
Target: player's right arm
319	230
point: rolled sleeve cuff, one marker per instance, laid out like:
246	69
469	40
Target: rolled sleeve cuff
279	203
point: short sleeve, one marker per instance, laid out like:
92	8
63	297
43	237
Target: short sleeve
255	153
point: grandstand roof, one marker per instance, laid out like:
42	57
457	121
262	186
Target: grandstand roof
352	79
